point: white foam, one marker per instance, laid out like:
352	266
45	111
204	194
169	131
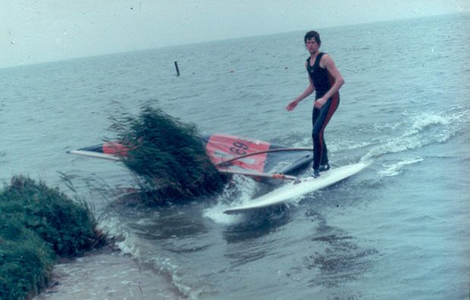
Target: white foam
112	226
395	169
240	192
425	129
216	213
130	243
426	120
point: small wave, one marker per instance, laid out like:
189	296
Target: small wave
174	271
129	243
424	129
216	214
426	120
393	146
125	241
348	145
395	169
238	193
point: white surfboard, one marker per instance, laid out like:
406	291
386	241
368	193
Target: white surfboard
291	190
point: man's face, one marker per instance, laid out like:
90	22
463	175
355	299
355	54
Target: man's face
311	45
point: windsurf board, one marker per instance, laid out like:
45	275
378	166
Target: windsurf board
294	190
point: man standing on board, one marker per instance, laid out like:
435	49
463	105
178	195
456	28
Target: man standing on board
326	80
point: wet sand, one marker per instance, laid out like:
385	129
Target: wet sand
107	274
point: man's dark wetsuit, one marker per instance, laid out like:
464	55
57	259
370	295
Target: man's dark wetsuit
322	81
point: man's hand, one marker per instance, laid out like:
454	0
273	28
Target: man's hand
292	105
320	102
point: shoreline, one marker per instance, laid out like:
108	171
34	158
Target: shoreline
107	273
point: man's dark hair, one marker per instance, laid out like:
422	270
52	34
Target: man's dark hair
312	34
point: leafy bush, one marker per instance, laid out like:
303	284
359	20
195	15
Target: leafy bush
64	224
25	260
167	157
37	224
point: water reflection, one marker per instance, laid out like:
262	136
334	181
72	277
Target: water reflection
256	237
338	257
258	224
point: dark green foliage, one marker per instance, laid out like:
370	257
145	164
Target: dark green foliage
25	260
167	156
68	227
37	224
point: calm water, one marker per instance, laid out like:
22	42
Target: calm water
397	230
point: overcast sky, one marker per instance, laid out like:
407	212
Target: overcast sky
33	31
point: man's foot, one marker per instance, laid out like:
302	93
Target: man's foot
315	173
324	168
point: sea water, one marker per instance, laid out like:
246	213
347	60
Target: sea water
397	230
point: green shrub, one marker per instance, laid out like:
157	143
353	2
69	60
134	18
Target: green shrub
37	224
25	260
167	157
64	224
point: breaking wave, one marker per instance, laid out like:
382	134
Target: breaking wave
238	193
422	130
395	169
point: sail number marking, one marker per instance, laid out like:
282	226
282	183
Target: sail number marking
239	148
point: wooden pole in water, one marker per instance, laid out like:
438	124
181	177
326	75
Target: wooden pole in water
177	69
